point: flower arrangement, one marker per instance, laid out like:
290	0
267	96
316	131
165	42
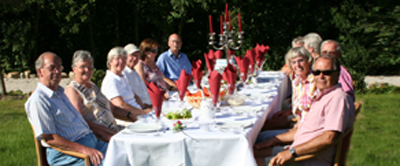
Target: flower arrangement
178	127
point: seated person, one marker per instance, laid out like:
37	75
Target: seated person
133	78
86	97
147	68
173	61
117	89
297	42
331	114
56	122
303	87
333	47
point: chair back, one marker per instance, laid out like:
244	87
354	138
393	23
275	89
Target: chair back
40	151
343	146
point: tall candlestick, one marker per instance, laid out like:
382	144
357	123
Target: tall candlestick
229	20
222	30
226	11
240	23
211	29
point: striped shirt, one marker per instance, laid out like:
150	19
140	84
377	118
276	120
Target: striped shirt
51	112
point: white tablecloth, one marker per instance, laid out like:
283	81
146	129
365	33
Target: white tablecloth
202	148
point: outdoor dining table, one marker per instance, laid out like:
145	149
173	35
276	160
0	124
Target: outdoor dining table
208	146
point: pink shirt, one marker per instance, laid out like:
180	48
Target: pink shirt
347	82
331	110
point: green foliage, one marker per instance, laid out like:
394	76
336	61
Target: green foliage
98	76
369	31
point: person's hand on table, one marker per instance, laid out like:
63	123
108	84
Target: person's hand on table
95	156
281	158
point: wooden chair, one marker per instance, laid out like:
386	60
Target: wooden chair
41	153
342	144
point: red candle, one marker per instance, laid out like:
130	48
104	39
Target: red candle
226	11
240	23
229	20
209	18
222	30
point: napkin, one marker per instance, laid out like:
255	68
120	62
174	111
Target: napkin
197	72
156	97
243	64
218	54
251	55
214	80
229	75
210	60
260	51
182	83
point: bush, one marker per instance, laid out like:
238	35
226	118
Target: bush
98	76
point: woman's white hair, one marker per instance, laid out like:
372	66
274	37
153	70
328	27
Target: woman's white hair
116	51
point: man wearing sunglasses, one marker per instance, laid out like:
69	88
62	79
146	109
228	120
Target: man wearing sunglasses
333	47
331	114
173	61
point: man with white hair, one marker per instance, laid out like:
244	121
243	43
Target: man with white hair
136	83
333	47
173	61
312	42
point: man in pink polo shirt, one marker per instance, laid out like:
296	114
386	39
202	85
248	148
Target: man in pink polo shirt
331	114
333	47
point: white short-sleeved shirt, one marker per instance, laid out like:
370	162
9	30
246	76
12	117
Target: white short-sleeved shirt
137	85
114	86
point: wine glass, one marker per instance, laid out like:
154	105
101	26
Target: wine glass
157	111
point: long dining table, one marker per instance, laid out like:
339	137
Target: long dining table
223	145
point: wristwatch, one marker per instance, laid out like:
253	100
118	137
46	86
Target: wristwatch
293	152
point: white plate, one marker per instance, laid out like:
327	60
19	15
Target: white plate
234	124
143	127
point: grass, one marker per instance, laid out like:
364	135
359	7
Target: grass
375	139
16	143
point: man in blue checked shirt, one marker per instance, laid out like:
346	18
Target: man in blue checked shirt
173	61
56	122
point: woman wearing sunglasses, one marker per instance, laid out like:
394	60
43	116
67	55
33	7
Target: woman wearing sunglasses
147	68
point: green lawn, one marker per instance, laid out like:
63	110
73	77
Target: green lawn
375	140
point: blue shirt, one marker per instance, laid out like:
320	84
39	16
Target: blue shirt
51	112
171	66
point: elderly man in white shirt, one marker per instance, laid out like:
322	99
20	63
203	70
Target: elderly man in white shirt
132	77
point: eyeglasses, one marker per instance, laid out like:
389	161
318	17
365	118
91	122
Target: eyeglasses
329	52
154	50
325	72
86	67
52	68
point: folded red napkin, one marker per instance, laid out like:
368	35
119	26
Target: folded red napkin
210	60
229	75
182	83
251	55
218	54
156	97
214	79
260	51
243	64
197	72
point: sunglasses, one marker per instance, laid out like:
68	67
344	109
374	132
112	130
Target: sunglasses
154	50
325	72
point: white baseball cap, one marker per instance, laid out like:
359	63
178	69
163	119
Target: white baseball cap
131	48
